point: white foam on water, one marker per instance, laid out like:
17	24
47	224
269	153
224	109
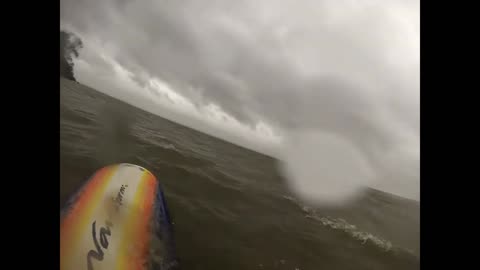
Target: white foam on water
353	231
342	225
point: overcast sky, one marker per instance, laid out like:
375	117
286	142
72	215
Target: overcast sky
266	70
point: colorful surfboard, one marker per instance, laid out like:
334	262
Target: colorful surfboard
117	220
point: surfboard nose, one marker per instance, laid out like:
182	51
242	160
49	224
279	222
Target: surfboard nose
133	165
111	213
142	169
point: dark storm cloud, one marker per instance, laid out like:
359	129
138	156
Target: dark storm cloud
196	44
332	65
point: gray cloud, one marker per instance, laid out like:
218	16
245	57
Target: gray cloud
337	66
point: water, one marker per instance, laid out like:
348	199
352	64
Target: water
230	206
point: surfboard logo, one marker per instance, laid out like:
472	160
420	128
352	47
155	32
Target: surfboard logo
98	253
118	200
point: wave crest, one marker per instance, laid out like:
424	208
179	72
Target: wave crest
353	231
343	225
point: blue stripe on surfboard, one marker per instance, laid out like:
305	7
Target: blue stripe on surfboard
164	232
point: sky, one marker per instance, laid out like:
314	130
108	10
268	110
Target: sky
304	81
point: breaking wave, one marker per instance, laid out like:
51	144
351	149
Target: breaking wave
343	225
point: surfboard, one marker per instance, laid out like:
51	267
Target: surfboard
117	220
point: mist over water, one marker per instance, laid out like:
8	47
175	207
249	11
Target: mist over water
324	168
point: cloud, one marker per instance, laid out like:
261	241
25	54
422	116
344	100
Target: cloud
349	68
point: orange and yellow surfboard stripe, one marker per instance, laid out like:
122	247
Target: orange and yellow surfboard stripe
133	250
76	221
133	234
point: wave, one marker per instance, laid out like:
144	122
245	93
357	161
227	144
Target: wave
343	225
168	146
353	231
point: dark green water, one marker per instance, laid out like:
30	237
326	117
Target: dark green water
231	208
